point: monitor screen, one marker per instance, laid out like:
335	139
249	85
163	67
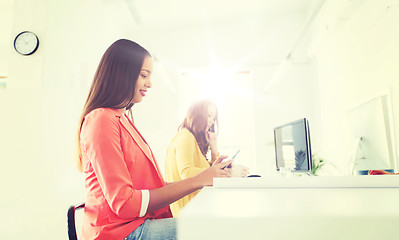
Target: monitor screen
292	146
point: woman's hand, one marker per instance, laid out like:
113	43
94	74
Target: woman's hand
205	178
211	138
239	171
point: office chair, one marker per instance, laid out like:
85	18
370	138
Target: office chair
71	221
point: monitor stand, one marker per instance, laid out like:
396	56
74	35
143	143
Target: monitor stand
354	157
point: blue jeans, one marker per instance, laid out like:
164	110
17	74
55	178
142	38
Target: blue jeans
155	229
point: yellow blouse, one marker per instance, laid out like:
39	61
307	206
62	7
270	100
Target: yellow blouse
183	160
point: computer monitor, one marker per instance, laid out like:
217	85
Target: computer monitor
372	136
292	146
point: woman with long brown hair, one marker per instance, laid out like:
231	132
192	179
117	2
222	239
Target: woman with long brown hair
186	155
127	197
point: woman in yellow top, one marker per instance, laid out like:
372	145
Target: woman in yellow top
186	154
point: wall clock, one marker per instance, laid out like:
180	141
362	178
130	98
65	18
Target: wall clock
26	43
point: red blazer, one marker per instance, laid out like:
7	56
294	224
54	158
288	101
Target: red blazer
117	163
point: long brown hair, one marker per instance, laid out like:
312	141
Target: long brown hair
196	122
114	82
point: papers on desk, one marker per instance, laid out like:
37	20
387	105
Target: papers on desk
380	181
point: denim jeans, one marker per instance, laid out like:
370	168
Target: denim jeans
155	229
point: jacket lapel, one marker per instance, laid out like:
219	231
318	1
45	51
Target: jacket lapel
128	125
136	136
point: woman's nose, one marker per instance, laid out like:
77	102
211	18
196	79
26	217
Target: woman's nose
148	83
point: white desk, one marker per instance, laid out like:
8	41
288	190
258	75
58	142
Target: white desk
292	213
309	182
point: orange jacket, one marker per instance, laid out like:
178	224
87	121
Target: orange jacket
118	164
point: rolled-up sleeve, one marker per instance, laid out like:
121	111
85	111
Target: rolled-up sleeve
145	200
100	138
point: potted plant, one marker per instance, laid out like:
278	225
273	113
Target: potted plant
317	164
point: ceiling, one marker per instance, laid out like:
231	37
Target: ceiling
200	33
203	33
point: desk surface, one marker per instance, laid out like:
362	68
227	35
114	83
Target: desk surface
291	213
309	182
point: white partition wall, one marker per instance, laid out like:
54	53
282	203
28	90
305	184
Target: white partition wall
356	53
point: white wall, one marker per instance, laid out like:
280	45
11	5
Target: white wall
6	18
292	97
357	54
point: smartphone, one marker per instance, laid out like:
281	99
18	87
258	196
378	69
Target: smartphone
235	154
229	166
212	128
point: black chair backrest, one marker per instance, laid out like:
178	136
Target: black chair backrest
71	221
